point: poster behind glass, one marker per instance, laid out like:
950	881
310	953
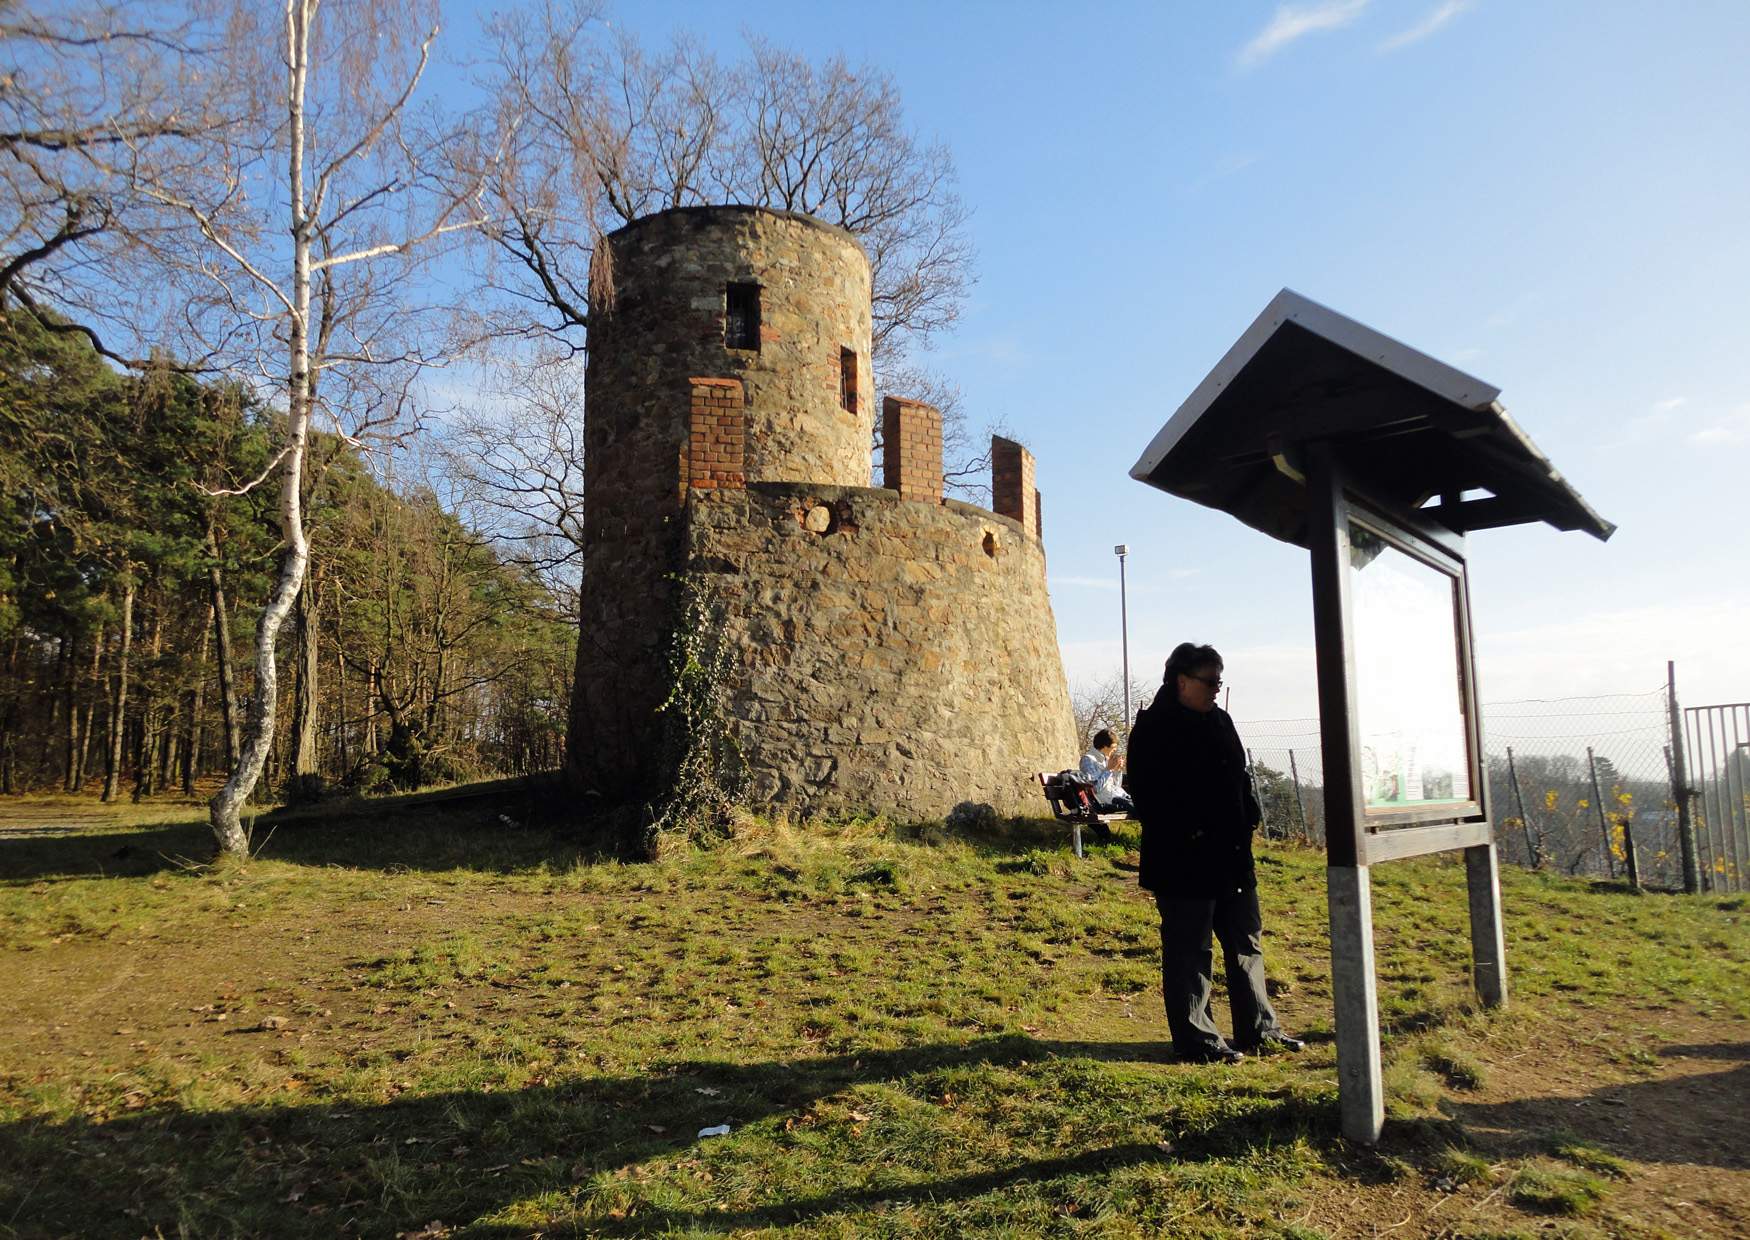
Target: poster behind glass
1414	749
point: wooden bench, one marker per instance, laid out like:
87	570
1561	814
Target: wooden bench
1072	801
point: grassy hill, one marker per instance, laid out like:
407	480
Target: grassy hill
432	1024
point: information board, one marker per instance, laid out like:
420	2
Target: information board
1415	752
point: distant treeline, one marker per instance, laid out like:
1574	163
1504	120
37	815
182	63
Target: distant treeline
130	586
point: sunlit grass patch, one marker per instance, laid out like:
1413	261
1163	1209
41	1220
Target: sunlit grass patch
1589	1157
1555	1190
909	1030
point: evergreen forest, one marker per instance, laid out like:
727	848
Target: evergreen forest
130	588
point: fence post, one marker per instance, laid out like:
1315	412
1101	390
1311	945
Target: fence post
1252	779
1603	822
1299	805
1533	844
1680	792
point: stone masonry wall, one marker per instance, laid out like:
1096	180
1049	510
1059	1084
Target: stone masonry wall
895	651
664	328
666	324
894	655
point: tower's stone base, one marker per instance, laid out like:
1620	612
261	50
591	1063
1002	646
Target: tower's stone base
894	655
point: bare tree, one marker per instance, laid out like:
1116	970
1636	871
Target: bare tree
517	468
604	131
607	132
80	85
325	189
1099	704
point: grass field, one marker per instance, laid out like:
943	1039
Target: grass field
431	1023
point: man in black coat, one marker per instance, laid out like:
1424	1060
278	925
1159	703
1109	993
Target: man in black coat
1188	779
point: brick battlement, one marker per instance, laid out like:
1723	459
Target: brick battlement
911	449
1012	493
716	435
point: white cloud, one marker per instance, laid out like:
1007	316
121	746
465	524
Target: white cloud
1623	650
1644	426
1227	166
1091	583
1734	427
1440	16
1295	21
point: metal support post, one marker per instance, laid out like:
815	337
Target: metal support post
1603	820
1252	779
1360	1085
1533	844
1121	550
1299	805
1488	945
1680	792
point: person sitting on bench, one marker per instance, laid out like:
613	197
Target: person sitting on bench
1103	767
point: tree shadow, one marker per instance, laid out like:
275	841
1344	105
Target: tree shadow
497	826
324	1167
1698	1118
1737	1052
117	853
791	1213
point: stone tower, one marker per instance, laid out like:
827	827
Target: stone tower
895	650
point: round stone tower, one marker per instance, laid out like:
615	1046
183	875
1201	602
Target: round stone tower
891	649
780	302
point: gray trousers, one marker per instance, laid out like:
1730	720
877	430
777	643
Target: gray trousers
1187	970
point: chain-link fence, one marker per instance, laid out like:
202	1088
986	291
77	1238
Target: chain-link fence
1717	766
1572	782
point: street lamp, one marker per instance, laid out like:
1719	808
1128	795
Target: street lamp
1122	550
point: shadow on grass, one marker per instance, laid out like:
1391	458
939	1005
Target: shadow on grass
933	1192
323	1168
1698	1119
500	826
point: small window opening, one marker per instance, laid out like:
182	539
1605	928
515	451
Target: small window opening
741	316
848	380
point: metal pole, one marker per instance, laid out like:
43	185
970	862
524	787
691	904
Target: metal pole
1680	791
1533	845
1121	550
1348	887
1299	805
1252	778
1603	822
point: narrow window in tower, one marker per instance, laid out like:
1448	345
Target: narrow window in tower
741	316
848	380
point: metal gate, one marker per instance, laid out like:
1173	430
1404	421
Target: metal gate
1718	741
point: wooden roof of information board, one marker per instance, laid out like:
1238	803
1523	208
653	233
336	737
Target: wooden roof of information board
1405	428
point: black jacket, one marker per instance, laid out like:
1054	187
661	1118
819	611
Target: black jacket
1188	779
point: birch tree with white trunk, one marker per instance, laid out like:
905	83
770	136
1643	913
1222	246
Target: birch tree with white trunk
298	254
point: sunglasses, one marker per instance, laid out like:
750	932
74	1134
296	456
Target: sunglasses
1214	685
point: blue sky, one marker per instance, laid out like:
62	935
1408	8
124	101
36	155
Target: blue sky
1553	196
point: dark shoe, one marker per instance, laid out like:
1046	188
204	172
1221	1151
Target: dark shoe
1276	1044
1212	1054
